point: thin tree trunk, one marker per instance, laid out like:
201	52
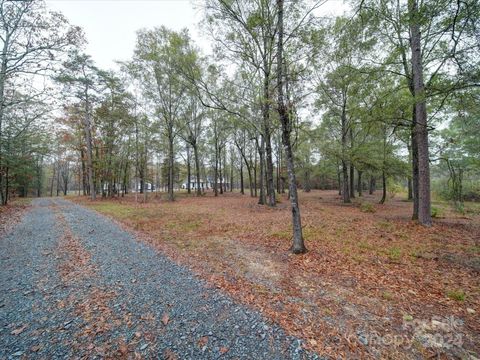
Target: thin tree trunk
414	169
420	127
255	175
352	181
188	171
88	137
298	245
197	169
261	153
372	185
384	188
171	164
231	168
359	183
345	190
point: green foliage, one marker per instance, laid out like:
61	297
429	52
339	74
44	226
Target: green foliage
457	295
367	208
394	254
436	212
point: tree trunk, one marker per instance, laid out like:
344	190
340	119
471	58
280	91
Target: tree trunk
188	171
53	178
384	188
171	164
298	245
242	189
420	127
266	139
220	174
88	137
414	169
345	190
197	169
215	172
372	186
352	181
255	176
231	168
359	183
261	154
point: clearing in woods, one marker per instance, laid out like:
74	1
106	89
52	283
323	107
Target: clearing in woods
371	279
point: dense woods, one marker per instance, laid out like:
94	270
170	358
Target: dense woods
384	98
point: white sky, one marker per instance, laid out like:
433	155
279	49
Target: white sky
110	25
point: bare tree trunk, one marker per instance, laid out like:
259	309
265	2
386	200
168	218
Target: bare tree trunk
372	185
53	178
255	175
384	188
345	190
298	245
352	181
171	164
359	183
220	174
261	153
232	159
414	168
420	127
188	171
197	169
242	189
215	172
88	137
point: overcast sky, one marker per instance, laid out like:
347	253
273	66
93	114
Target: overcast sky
110	25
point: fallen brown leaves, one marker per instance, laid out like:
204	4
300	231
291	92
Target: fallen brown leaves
12	214
364	272
93	307
19	330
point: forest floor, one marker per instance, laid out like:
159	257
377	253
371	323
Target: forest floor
11	214
373	283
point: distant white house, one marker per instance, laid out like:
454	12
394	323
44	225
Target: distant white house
203	184
148	186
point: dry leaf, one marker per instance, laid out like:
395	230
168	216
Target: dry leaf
19	330
202	341
169	355
35	348
223	350
165	319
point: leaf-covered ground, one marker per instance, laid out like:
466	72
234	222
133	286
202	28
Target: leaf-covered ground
373	284
12	213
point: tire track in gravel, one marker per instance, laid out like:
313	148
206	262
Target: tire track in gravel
90	301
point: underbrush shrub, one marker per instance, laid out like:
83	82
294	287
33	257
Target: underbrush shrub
367	208
436	212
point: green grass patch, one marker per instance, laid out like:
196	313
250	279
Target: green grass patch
387	295
367	208
457	295
394	254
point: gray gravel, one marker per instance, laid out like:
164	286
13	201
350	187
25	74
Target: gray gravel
155	306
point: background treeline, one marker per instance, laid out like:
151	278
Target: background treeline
372	99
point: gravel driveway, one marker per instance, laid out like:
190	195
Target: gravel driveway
74	284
